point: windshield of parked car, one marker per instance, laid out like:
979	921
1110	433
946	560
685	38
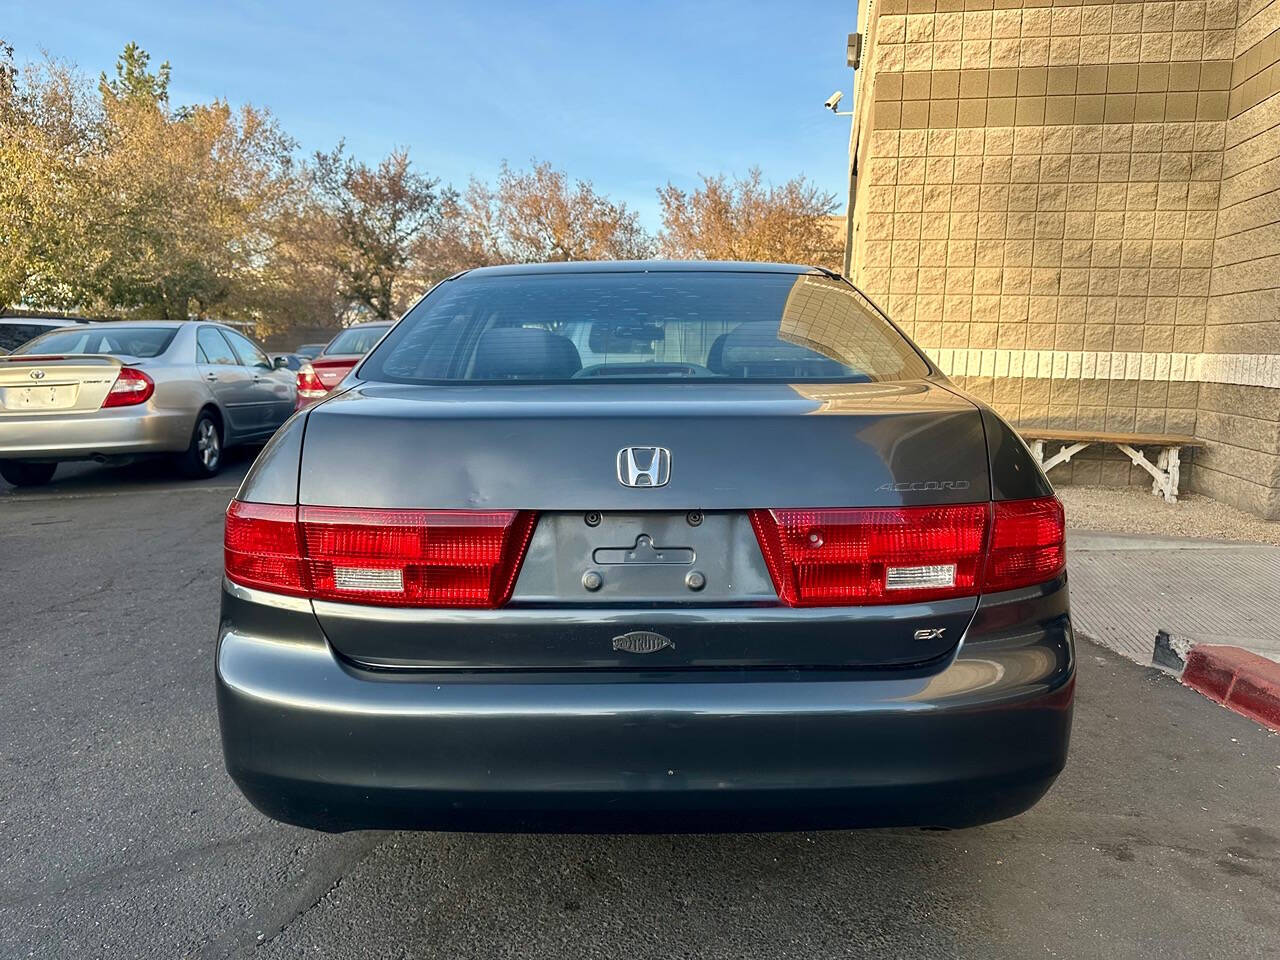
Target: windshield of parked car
661	325
356	340
14	335
138	342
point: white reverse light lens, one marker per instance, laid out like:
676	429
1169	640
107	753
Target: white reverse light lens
914	578
363	578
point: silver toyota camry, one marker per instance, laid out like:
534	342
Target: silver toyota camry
112	392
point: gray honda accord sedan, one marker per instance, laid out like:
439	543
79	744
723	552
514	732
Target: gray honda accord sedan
644	546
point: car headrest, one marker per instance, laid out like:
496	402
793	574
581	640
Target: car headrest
715	356
754	349
508	353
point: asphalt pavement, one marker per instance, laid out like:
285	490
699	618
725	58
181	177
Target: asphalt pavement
121	835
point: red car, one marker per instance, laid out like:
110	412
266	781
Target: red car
324	372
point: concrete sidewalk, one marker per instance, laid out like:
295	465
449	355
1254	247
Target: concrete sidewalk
1125	588
1218	600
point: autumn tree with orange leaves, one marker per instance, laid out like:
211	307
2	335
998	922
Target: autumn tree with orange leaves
115	202
747	219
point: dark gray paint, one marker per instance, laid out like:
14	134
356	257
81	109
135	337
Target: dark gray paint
316	742
733	446
1015	475
273	478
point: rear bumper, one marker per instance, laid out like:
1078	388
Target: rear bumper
80	436
313	741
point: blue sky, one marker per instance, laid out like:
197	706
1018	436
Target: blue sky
627	94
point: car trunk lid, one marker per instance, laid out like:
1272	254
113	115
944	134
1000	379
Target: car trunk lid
682	580
732	446
331	370
52	384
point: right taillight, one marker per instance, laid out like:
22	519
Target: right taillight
873	555
309	384
1028	544
131	388
824	557
400	558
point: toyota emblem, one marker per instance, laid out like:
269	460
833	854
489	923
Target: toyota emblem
36	374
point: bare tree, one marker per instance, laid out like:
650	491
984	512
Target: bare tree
745	219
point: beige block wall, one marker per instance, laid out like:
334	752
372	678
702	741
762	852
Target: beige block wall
1038	201
1242	464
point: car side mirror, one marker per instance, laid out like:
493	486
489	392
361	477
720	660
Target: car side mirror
280	363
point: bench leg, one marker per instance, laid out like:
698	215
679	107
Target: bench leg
1164	472
1062	456
1174	468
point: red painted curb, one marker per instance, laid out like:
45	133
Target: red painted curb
1237	679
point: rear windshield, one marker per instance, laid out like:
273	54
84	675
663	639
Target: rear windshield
124	341
356	340
644	326
15	334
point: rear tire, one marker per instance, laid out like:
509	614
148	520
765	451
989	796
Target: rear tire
203	457
27	474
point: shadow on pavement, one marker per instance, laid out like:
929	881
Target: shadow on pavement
84	479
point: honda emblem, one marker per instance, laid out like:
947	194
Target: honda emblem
644	466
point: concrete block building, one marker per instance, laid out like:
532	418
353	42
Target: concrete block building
1074	206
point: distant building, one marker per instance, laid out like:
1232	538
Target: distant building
1075	208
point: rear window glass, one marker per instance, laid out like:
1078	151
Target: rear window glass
644	326
355	340
123	341
16	334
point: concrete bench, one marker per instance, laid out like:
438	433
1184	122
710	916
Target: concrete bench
1164	472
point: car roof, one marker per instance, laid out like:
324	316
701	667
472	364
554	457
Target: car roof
644	266
53	321
163	324
116	324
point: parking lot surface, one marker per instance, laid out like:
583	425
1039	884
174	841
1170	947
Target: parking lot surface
121	835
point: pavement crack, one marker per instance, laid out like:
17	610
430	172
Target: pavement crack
294	900
108	879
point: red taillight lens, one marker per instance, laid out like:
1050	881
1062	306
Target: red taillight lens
409	558
1028	544
423	558
132	387
262	547
873	555
822	557
309	384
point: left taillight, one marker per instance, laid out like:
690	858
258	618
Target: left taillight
262	548
406	558
132	387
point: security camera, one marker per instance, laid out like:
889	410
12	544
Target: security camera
833	101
